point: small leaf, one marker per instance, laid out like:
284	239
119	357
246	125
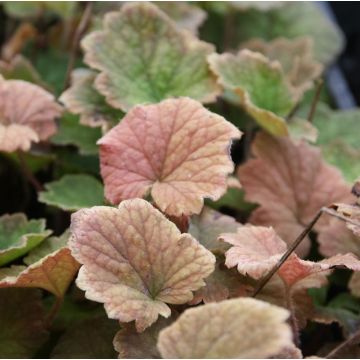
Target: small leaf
90	338
239	328
176	149
27	114
22	329
207	227
51	267
291	182
135	261
21	69
295	57
71	132
259	85
144	58
83	99
132	345
255	251
18	236
73	192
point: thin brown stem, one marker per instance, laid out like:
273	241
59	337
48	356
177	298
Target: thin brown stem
28	173
54	311
315	101
84	22
290	250
292	112
334	213
353	339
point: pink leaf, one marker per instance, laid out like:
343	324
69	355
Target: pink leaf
135	261
177	150
255	250
27	114
291	182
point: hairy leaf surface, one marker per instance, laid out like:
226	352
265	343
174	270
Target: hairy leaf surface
176	150
135	261
222	330
144	58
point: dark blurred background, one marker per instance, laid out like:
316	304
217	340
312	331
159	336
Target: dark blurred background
347	15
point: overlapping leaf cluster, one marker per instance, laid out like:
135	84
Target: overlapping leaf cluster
179	173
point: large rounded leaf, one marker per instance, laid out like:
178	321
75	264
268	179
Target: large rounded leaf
239	328
291	182
176	148
143	57
135	261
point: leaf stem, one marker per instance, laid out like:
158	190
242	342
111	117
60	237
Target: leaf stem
334	213
348	342
290	250
84	22
27	172
315	101
54	311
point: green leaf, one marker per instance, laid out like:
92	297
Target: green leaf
83	99
144	58
294	19
33	9
234	199
259	85
18	236
47	247
21	68
73	192
90	338
71	132
52	64
22	329
338	138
